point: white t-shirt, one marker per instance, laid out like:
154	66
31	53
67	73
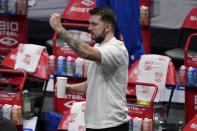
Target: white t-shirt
106	104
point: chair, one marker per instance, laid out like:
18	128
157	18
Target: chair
11	92
169	83
40	76
188	27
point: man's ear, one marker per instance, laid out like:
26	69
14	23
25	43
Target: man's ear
108	27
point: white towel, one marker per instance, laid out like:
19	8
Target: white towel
152	69
28	57
76	120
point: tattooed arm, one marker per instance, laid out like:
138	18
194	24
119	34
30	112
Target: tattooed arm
79	47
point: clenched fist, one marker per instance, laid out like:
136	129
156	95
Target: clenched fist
55	22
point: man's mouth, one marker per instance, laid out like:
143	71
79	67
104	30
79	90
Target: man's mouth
92	36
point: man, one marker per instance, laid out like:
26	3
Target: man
106	105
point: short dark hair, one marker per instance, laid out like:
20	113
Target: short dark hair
106	13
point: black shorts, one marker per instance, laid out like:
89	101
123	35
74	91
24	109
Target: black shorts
123	127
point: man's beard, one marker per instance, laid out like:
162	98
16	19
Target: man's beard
101	38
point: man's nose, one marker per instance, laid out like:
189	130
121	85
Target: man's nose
89	27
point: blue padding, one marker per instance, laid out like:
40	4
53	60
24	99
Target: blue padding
52	121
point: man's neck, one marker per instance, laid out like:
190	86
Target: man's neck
108	37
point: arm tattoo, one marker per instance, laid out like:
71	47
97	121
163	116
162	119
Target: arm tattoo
73	43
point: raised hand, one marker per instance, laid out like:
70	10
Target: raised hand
55	22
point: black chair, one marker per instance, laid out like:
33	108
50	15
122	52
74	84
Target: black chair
188	27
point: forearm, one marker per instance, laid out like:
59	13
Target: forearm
77	46
77	88
81	48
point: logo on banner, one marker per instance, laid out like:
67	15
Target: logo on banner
195	102
8	41
72	118
193	18
81	8
69	104
8	30
194	126
5	80
87	2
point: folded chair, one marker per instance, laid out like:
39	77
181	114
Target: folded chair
188	27
41	75
169	83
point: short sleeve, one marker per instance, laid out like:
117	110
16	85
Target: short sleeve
111	57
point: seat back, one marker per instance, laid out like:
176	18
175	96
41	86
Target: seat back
190	21
73	14
132	78
42	71
189	26
185	33
11	86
